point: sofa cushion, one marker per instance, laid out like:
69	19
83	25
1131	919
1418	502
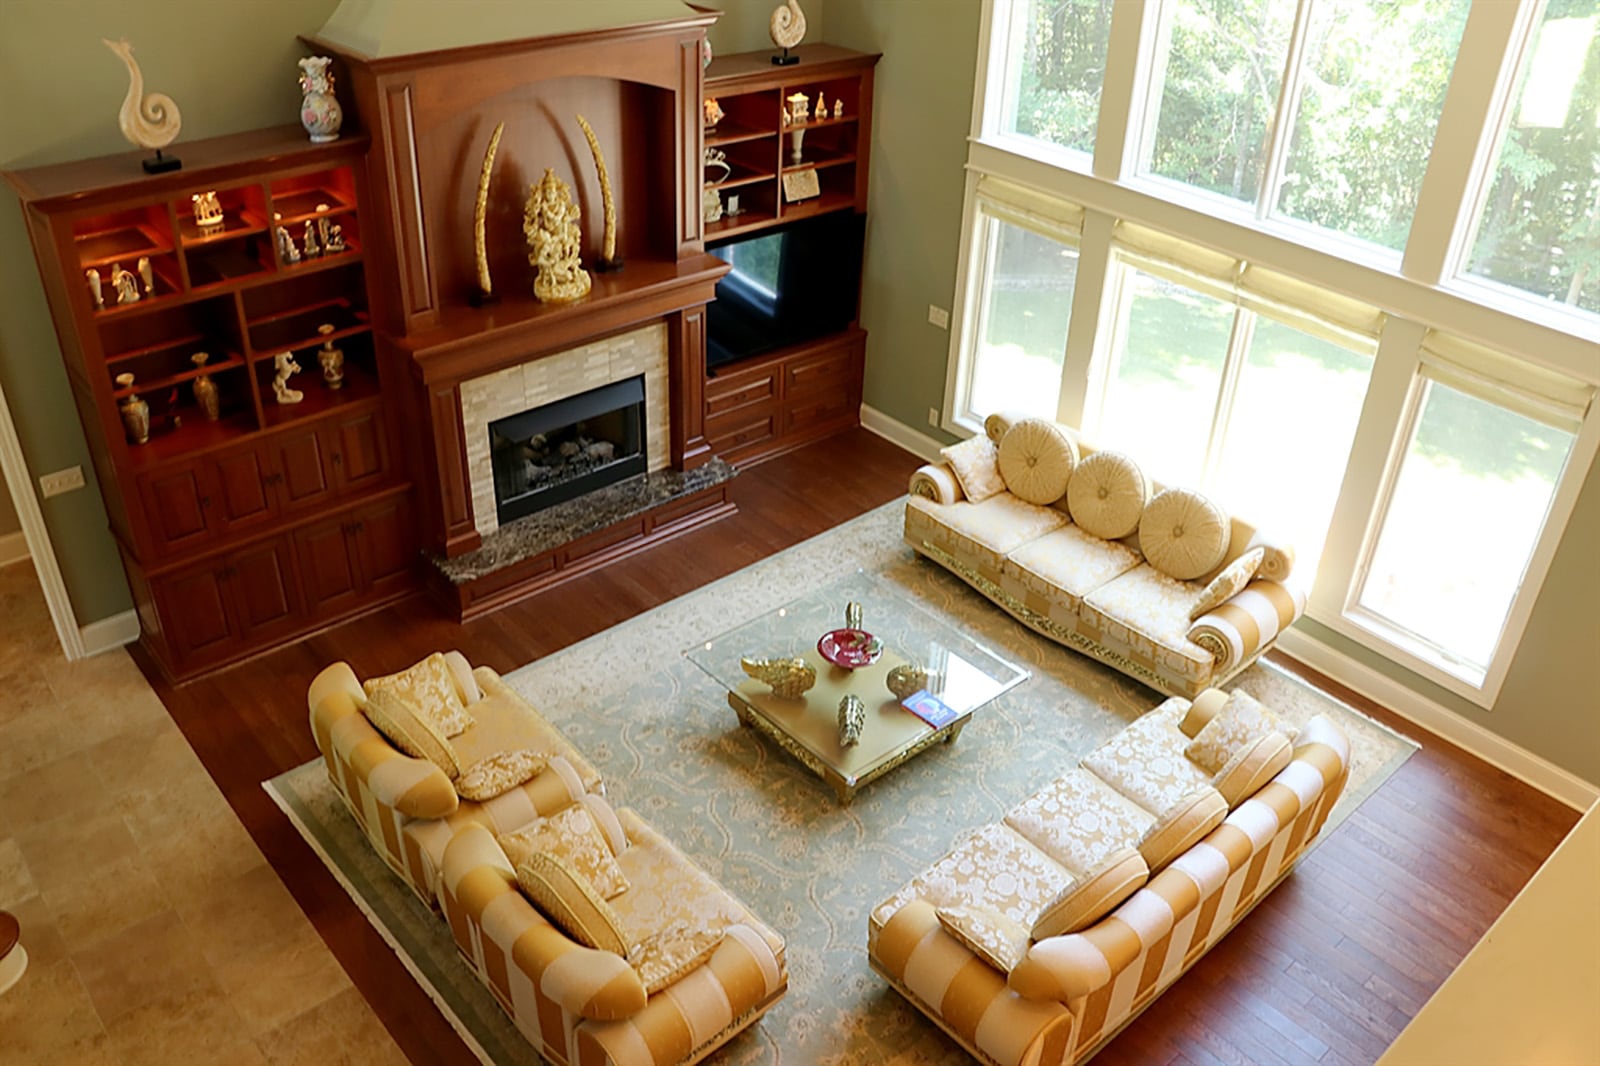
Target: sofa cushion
428	688
1068	563
981	534
992	867
573	836
669	953
1252	766
570	902
504	721
1228	583
976	465
1181	827
1145	606
986	933
418	736
1036	460
1145	761
501	772
1241	721
1079	821
1092	896
1183	534
1107	495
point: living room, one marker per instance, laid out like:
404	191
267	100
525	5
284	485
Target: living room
1506	696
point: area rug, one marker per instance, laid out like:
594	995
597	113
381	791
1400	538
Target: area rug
661	733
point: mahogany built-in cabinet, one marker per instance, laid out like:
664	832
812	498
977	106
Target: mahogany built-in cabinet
273	519
762	406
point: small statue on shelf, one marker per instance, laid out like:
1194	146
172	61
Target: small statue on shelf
285	367
550	224
125	283
147	275
838	108
333	240
312	248
330	358
287	251
205	390
207	210
96	291
821	110
134	410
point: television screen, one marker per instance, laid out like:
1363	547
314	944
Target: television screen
788	285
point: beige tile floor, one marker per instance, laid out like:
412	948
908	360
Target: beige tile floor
155	931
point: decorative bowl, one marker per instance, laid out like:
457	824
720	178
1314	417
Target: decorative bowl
850	648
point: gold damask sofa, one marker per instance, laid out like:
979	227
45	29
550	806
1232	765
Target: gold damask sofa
1079	545
1038	937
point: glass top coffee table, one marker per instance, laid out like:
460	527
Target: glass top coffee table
960	676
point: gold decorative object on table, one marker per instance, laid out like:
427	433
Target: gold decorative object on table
205	390
908	679
609	260
134	411
788	678
331	359
484	293
787	28
550	223
149	120
852	720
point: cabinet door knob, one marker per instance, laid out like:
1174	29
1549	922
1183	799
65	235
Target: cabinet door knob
205	501
338	459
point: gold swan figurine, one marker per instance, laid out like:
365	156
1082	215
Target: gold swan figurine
148	120
789	678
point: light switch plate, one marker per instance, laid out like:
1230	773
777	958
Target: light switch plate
939	316
61	481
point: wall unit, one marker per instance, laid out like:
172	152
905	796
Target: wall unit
762	406
218	520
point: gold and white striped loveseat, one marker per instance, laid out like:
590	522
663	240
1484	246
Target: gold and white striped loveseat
1102	597
1011	1000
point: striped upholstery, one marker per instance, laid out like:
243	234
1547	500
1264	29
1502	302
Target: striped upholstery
1240	629
407	807
1073	992
585	1007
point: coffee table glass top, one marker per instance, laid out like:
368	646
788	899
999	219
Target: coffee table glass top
964	675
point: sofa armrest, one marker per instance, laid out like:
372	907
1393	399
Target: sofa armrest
1060	969
414	787
1241	627
936	482
483	893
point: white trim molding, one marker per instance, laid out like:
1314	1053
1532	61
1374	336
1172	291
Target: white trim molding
1443	723
897	432
108	633
13	548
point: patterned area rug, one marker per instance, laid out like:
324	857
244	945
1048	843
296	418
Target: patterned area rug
663	736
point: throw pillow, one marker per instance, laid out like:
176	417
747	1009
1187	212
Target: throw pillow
1252	766
666	955
461	673
1107	495
573	836
571	903
419	737
987	933
1278	562
1185	825
1036	461
1241	721
1229	583
1092	896
1183	534
501	772
975	463
429	688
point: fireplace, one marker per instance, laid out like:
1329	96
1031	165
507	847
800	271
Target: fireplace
562	450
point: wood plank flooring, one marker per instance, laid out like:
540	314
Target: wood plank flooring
1328	968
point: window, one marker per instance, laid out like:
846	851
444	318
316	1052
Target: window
1539	227
1056	63
1022	328
1468	504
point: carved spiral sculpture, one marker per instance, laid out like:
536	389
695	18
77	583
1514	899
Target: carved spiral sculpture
788	25
150	121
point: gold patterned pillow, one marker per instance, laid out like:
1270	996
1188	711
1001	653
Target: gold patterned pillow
500	772
1185	825
418	737
987	933
671	952
571	902
1036	461
1107	495
1183	534
1241	722
573	836
429	689
1229	583
975	463
1093	896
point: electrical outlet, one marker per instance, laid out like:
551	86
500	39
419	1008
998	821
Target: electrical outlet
933	417
61	481
939	316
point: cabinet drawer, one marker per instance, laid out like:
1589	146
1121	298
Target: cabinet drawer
826	410
740	429
726	395
813	374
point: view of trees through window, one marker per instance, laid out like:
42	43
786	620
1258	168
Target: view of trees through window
1055	90
1023	326
1540	229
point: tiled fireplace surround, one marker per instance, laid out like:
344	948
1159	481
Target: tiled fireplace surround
550	378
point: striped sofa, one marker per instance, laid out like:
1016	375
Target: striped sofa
1058	999
1100	597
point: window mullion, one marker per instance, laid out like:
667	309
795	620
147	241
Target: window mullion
1125	90
1282	129
1096	290
1244	328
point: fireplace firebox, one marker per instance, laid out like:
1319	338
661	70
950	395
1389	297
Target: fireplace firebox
562	450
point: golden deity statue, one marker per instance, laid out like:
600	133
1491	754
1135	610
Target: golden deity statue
550	223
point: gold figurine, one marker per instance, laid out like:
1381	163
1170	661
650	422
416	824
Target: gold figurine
852	720
608	240
789	678
480	215
908	679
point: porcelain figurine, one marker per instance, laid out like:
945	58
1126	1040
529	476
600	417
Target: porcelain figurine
207	210
788	678
149	120
821	110
799	108
550	224
285	367
134	411
331	359
147	275
205	390
125	284
309	240
838	108
96	289
712	112
787	28
320	112
852	720
333	240
287	250
710	205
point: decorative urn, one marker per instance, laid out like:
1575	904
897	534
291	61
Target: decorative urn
320	112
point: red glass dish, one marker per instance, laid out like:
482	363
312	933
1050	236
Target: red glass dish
850	648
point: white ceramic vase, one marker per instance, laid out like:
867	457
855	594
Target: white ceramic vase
320	112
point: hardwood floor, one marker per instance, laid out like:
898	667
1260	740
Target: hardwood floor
1328	968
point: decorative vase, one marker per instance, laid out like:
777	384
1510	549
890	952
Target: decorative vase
331	358
135	412
320	112
205	390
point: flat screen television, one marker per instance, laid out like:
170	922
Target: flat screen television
791	284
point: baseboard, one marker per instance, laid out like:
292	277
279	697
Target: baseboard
897	432
1471	737
110	633
13	548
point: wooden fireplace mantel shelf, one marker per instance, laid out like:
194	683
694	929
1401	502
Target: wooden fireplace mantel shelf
472	341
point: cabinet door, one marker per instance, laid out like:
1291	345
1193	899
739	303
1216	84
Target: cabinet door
384	548
303	474
263	590
243	495
193	608
330	579
177	501
357	450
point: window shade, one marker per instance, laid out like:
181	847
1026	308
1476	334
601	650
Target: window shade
1532	391
1046	215
1304	306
